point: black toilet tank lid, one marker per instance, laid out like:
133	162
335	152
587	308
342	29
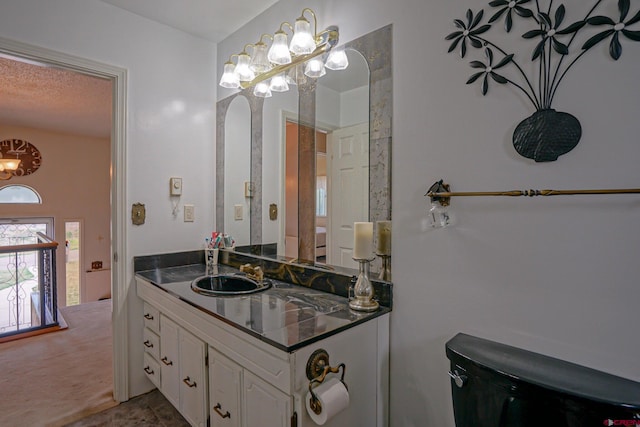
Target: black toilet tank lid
548	372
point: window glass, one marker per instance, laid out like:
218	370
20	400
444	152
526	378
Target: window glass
19	194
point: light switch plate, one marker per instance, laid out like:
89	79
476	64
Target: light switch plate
175	186
248	189
237	212
189	213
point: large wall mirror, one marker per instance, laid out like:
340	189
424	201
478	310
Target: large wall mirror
338	125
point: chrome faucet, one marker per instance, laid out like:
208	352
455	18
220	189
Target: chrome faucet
254	273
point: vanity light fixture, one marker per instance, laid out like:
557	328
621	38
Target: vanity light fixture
303	42
279	83
315	68
262	89
275	68
279	52
337	60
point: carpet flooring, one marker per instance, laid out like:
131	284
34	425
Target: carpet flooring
57	378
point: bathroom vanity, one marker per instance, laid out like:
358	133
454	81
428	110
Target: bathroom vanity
242	360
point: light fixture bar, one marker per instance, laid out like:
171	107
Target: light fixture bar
264	64
331	40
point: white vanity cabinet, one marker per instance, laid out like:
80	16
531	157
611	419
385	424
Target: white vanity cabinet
250	382
240	399
225	391
183	371
175	361
263	404
151	344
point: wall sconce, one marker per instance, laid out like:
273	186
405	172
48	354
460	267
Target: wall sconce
274	69
7	167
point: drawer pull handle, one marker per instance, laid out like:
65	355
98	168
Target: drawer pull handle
187	382
148	370
166	361
218	408
148	344
148	316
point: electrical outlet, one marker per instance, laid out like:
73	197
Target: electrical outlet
189	213
237	212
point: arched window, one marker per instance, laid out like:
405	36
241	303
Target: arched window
16	193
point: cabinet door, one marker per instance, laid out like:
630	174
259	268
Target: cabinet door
264	405
225	382
169	368
193	379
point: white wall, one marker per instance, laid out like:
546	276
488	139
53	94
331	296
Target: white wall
237	169
170	119
273	133
354	106
73	182
558	275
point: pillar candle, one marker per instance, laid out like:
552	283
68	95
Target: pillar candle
362	240
383	233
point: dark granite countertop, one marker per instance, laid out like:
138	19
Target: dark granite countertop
286	316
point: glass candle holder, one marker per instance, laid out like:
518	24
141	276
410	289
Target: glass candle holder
362	290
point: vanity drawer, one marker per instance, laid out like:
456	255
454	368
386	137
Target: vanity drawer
151	342
151	318
152	369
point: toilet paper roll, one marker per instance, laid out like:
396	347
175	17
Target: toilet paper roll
333	397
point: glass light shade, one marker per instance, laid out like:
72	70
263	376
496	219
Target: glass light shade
9	164
229	78
259	61
279	83
262	90
244	72
315	68
337	60
279	51
302	41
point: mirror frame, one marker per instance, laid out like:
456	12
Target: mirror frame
376	48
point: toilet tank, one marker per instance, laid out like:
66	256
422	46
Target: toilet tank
496	385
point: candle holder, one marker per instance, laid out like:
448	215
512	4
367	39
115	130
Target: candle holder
362	290
385	271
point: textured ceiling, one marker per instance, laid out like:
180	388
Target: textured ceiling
43	97
38	96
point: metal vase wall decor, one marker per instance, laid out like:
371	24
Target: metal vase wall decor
547	133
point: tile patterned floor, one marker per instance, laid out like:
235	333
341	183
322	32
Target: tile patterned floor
149	410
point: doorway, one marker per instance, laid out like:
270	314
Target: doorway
72	251
119	282
291	199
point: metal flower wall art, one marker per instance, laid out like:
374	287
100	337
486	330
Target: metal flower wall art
547	133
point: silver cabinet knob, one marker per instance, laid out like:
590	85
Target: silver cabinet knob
459	379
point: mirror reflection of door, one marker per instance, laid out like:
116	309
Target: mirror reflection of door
349	198
291	193
343	102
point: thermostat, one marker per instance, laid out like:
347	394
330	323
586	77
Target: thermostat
175	186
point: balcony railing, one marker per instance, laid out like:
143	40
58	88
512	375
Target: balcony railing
28	299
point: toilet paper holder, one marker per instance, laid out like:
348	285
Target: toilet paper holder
318	368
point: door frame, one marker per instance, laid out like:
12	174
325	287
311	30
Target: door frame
119	283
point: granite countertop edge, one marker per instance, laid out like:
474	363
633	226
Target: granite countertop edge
190	270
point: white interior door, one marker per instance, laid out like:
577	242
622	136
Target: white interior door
348	151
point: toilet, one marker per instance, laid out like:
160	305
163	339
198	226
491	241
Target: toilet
496	385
